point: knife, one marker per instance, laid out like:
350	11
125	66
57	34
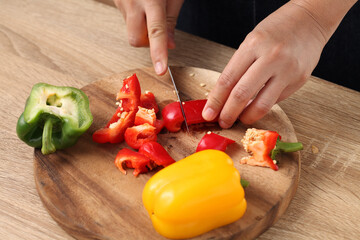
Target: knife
178	96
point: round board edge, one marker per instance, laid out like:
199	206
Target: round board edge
278	210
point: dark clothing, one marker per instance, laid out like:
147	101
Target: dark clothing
228	22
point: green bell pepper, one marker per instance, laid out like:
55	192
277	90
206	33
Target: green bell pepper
54	117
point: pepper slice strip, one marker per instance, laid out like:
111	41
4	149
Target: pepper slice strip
114	133
264	145
173	117
156	153
124	117
147	100
54	117
115	117
145	115
132	159
159	125
138	135
129	94
213	141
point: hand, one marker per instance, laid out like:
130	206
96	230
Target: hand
151	23
274	60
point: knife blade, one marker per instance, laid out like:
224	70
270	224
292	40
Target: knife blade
178	96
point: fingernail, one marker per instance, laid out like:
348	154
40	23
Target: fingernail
159	68
209	114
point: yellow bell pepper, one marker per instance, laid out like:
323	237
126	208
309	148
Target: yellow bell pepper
195	195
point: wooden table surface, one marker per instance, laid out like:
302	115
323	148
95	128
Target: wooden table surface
74	43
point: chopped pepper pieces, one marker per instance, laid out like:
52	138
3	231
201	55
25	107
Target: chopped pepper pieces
144	115
124	117
129	94
150	155
138	135
156	153
54	117
114	133
159	125
132	159
195	195
147	100
264	145
213	141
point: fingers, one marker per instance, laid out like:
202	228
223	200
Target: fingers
289	90
134	15
172	10
151	23
236	67
136	29
265	99
157	31
247	87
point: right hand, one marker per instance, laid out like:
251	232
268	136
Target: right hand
273	61
151	23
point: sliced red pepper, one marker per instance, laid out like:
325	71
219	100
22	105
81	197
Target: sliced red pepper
145	115
124	117
138	135
147	100
132	159
213	141
156	153
259	144
114	133
159	125
129	94
115	117
173	117
193	111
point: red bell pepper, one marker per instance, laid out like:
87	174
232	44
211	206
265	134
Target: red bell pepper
147	100
114	132
145	115
124	117
213	141
173	117
148	116
132	159
138	135
159	125
263	145
156	153
115	117
129	94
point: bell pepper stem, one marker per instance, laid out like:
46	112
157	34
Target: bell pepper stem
244	183
47	144
285	147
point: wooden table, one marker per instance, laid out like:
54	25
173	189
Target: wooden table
74	43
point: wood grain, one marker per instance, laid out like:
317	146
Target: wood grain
90	198
73	43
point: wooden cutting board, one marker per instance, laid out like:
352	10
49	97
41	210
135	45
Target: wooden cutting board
90	198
